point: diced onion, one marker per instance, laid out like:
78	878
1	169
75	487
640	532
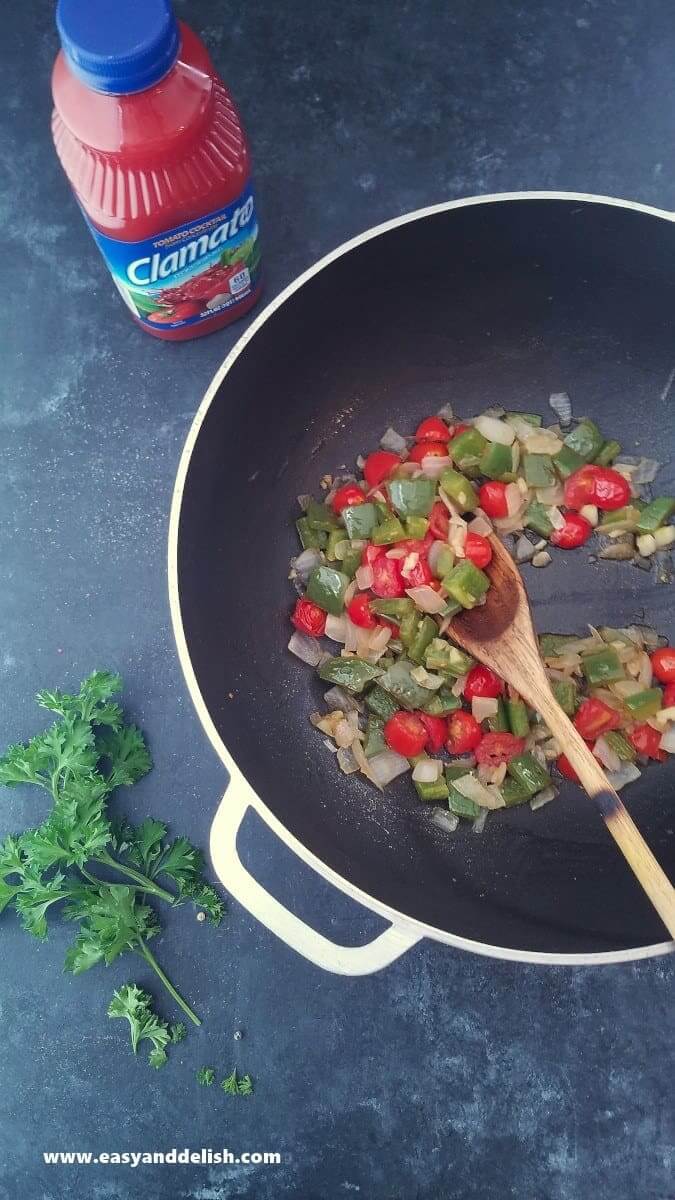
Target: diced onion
457	538
483	707
337	698
427	770
344	733
608	757
590	512
542	798
304	501
495	430
665	715
446	413
305	648
562	407
458	686
543	441
524	549
628	774
346	761
445	820
514	499
474	790
436	549
433	465
393	441
481	525
426	599
479	824
644	676
667	742
336	628
395	553
426	679
522	428
387	766
305	563
364	578
330	745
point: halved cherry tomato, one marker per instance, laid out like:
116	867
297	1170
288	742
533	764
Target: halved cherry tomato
439	521
464	733
371	553
481	681
595	717
406	733
358	611
417	574
478	549
492	499
574	532
379	466
646	741
602	486
565	767
428	450
498	748
346	497
387	580
414	545
309	618
434	429
669	695
663	664
437	731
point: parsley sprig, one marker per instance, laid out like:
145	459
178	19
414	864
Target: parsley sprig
80	760
135	1006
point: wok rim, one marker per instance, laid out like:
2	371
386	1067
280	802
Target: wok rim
237	777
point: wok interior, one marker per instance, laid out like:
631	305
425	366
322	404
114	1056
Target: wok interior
499	303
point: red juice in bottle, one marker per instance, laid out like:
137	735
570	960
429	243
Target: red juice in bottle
154	151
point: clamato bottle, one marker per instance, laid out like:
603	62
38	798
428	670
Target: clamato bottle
154	150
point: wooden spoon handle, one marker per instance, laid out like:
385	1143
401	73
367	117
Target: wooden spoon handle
620	824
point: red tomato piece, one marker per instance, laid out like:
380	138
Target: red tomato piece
309	618
437	731
498	748
379	466
481	681
663	664
347	497
434	429
594	717
428	450
464	733
370	554
574	532
418	574
565	767
669	695
358	611
602	486
387	580
439	521
492	499
646	741
478	549
406	733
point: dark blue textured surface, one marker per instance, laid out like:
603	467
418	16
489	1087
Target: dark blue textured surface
446	1076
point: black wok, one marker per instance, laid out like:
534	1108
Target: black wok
495	301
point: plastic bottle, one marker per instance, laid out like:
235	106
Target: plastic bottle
154	151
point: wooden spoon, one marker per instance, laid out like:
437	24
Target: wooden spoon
500	634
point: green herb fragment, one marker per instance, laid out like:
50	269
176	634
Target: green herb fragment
135	1006
206	1076
233	1086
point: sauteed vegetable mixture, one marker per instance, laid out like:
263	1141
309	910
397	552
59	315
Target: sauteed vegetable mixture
391	556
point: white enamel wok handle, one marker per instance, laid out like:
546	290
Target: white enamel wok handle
342	960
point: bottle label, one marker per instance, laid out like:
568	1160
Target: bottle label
189	274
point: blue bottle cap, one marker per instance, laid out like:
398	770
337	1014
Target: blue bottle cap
118	46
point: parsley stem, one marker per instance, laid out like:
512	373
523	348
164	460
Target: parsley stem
147	884
150	958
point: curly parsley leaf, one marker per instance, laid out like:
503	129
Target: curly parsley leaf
76	829
126	753
36	896
135	1005
233	1086
205	898
145	844
177	1032
206	1076
112	920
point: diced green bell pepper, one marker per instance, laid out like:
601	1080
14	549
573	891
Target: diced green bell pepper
416	527
460	805
459	489
525	769
644	704
391	530
320	516
383	511
442	703
310	539
381	703
425	633
327	587
513	793
445	561
621	746
539	470
553	644
350	673
451	609
352	560
412	497
567	461
518	719
374	743
622	520
446	659
499	723
496	461
466	583
400	684
432	791
393	610
360	520
408	628
565	692
466	450
602	667
334	538
586	439
656	514
608	453
537	519
456	770
531	418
